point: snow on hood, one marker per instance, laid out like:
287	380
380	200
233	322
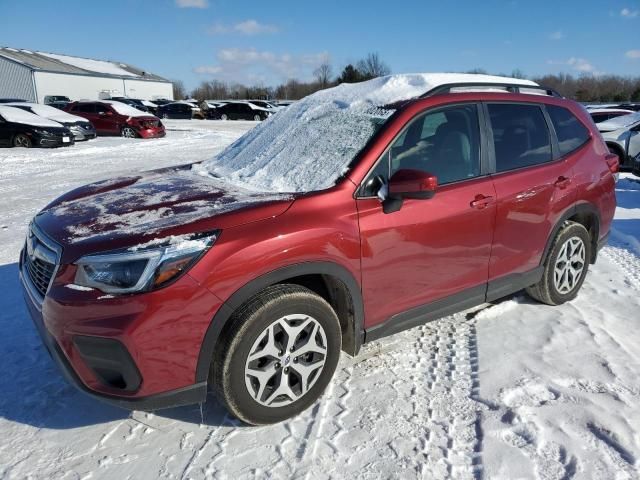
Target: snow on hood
17	115
147	205
617	123
311	143
51	113
124	109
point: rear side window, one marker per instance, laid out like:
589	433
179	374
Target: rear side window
520	136
572	134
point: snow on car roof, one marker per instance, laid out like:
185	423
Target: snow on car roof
311	143
51	113
17	115
124	109
617	123
98	66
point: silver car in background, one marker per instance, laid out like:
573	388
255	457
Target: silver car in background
81	128
622	135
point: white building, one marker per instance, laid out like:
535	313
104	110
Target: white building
34	75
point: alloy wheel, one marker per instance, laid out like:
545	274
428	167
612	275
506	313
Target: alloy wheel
286	360
22	141
128	132
569	266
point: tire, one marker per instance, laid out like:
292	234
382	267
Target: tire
224	117
22	140
254	327
165	116
257	118
128	132
561	285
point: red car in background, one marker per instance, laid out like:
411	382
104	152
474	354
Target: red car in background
116	118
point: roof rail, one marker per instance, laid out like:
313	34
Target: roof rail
509	87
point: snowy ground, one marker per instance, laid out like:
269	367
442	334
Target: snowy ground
510	390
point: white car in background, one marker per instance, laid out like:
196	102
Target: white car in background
603	114
622	135
81	128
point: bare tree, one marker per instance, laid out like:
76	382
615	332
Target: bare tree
372	66
323	74
179	92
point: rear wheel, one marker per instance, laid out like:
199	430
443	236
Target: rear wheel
128	132
224	117
565	267
22	140
278	356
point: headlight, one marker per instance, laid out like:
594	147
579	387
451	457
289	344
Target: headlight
141	269
42	132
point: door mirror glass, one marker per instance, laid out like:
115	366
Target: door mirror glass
414	184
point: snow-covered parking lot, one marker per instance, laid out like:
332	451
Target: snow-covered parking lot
510	390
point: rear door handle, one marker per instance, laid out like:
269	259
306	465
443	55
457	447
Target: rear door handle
481	202
562	182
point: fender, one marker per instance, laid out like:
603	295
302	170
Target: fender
225	312
570	212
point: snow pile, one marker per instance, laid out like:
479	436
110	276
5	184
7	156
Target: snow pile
124	109
51	113
98	66
17	115
310	145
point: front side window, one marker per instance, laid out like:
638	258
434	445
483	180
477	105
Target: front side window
444	143
520	136
571	133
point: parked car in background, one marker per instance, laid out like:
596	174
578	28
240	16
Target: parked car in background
80	128
630	106
405	200
57	101
622	135
116	118
19	128
264	104
176	110
240	110
133	102
603	114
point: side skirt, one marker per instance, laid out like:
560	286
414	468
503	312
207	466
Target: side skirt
458	302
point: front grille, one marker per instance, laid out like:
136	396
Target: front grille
40	260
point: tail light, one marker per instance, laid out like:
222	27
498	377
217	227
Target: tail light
613	162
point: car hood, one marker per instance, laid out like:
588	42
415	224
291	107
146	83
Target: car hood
128	211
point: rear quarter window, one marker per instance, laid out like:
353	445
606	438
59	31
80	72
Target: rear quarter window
571	132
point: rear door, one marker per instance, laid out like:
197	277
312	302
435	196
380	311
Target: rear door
429	250
534	186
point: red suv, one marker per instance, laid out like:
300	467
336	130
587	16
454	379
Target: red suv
117	118
355	213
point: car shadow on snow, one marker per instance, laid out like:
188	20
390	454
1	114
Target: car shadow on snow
34	392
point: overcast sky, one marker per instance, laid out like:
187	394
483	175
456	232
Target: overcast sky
269	41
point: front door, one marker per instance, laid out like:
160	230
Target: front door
434	250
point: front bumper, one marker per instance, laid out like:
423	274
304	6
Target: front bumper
80	134
52	141
161	333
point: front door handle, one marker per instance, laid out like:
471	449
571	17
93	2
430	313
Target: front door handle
481	202
562	182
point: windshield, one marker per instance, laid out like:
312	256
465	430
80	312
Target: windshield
126	109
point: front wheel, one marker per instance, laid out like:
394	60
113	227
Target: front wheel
565	267
22	140
278	356
257	118
224	117
128	132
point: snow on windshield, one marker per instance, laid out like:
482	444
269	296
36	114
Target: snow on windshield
17	115
310	144
53	113
124	109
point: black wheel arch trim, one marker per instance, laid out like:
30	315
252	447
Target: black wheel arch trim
279	275
570	212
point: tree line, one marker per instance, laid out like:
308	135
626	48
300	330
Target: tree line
583	88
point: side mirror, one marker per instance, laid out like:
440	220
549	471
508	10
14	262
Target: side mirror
410	184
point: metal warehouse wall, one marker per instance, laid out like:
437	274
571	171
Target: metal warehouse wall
148	90
15	81
78	87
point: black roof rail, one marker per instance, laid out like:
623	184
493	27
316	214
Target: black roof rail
509	87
